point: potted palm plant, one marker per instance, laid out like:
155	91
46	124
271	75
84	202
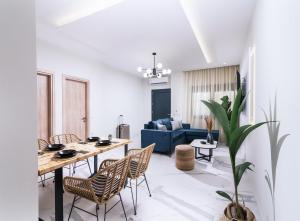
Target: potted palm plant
234	136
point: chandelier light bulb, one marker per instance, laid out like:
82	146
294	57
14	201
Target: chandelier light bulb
157	71
159	65
139	69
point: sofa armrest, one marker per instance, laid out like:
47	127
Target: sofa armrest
162	139
186	126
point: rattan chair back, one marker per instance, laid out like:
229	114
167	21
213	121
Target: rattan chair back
64	139
42	144
140	159
105	184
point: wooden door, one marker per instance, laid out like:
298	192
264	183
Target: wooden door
161	104
75	107
44	105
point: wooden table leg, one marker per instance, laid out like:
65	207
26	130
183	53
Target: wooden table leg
59	199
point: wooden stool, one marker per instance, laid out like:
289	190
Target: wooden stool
185	157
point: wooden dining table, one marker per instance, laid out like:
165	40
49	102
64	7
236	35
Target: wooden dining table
48	162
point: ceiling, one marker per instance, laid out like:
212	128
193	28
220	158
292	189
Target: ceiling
186	34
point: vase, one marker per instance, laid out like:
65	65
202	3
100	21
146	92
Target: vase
210	138
227	214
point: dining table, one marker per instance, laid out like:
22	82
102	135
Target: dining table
49	162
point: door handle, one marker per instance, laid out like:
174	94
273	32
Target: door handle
84	119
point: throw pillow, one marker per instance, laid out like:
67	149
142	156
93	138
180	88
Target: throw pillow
176	124
152	125
161	127
167	122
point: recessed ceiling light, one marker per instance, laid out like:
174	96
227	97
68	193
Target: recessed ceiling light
83	8
188	9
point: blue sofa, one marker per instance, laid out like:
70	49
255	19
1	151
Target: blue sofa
166	141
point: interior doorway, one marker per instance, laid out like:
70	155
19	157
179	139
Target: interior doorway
161	103
44	105
75	106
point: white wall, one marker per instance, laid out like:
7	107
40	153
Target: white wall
275	34
111	92
18	158
178	94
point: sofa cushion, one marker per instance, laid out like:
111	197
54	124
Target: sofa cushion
161	127
152	125
165	121
176	124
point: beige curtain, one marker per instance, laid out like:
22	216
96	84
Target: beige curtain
207	84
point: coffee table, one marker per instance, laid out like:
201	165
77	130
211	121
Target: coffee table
199	144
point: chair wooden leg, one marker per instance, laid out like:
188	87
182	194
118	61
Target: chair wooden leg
147	185
123	206
132	197
72	207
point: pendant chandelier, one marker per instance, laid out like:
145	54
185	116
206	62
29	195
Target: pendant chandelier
156	72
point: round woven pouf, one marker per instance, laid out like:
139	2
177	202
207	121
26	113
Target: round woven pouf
185	157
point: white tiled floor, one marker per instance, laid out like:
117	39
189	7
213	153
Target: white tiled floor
176	195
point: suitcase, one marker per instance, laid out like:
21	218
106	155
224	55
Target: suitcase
123	131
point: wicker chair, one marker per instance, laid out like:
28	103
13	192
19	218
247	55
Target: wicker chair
138	165
104	185
65	139
42	144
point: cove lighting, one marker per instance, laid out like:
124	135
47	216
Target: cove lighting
83	8
188	8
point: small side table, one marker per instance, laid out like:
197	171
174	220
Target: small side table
199	144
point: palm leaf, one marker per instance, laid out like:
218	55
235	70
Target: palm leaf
234	138
243	104
220	115
234	120
240	170
246	133
225	195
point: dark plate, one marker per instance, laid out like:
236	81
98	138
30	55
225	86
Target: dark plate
103	143
65	153
92	139
53	147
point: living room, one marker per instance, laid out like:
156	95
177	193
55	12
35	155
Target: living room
99	54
